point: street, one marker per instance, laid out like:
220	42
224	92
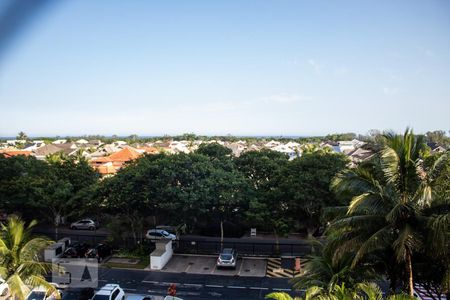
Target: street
193	286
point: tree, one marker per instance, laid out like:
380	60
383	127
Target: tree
57	189
438	137
48	189
341	136
22	136
19	258
16	182
229	191
390	194
214	150
304	184
262	168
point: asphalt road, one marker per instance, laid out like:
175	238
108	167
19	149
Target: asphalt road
191	286
197	244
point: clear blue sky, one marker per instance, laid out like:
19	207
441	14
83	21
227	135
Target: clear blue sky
228	67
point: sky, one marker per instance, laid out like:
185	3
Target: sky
243	67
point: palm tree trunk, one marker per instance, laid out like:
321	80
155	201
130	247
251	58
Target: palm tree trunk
409	274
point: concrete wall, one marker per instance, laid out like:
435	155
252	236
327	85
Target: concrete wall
53	251
162	254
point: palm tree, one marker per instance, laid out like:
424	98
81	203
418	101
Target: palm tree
19	258
310	294
323	270
389	194
362	291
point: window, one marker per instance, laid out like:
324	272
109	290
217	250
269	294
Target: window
115	294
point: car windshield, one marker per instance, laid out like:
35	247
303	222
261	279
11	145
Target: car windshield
36	296
225	256
100	297
165	233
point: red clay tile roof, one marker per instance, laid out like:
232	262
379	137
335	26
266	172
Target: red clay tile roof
124	155
110	164
10	153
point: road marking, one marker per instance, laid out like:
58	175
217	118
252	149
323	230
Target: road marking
258	288
214	286
187	268
214	269
236	287
168	283
193	285
149	281
283	290
240	268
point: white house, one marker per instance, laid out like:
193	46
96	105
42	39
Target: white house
286	150
62	141
272	144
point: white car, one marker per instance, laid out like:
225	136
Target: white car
159	234
110	292
84	224
4	288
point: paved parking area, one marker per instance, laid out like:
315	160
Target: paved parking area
207	265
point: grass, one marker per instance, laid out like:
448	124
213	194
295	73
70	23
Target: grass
140	253
142	264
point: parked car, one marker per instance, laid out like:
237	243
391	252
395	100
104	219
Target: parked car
158	234
43	293
101	251
139	297
84	224
78	294
227	258
4	288
110	292
76	250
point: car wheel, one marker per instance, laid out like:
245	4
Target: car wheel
73	227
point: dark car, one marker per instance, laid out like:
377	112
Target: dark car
77	294
76	250
70	253
101	251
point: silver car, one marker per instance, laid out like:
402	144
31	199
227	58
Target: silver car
159	234
84	224
227	258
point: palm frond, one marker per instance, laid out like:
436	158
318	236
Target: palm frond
17	287
377	241
313	292
370	290
279	296
406	242
439	226
390	165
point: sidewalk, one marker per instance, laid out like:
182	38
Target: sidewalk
259	239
